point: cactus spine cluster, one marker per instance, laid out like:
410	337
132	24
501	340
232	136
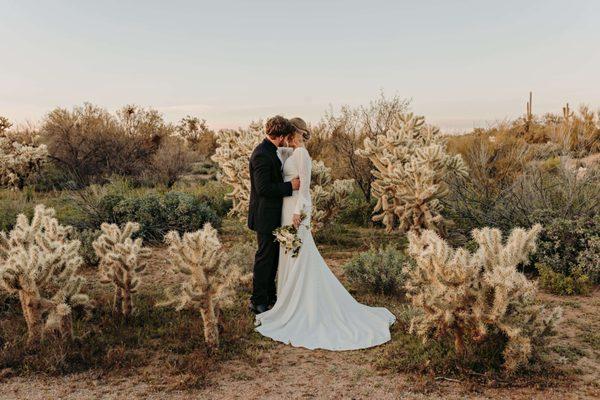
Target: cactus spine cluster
328	196
411	164
122	261
469	295
209	278
233	155
40	263
18	159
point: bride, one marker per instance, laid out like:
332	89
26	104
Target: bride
313	309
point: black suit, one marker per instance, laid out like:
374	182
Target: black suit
267	190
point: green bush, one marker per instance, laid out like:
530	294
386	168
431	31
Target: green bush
87	252
535	196
157	214
214	193
356	210
561	284
565	243
378	270
589	259
337	234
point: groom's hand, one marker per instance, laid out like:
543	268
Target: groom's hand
295	183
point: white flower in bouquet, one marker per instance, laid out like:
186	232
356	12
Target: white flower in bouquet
288	238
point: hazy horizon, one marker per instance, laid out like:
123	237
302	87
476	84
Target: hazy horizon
465	64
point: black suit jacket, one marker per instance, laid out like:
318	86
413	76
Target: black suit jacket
267	188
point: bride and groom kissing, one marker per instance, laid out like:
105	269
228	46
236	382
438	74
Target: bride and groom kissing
308	307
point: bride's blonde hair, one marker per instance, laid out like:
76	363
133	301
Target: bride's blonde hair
301	128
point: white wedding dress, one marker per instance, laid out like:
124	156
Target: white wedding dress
313	309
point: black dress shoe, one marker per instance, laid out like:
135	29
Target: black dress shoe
258	309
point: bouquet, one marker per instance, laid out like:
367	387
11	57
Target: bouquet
288	238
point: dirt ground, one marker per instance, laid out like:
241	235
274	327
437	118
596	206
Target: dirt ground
283	372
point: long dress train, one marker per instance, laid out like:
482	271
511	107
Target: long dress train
313	308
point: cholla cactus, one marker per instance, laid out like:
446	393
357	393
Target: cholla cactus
18	159
233	155
328	197
468	295
411	164
39	263
122	261
209	278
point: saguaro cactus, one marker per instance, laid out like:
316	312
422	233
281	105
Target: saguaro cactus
468	295
411	164
122	261
39	263
209	278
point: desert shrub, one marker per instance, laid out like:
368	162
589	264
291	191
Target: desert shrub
51	177
169	162
336	234
567	248
558	283
159	214
86	237
357	210
241	253
90	144
589	259
472	297
12	203
156	213
213	193
535	196
379	270
198	136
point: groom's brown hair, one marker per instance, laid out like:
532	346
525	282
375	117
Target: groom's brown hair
278	126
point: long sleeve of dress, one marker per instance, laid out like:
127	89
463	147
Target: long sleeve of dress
304	169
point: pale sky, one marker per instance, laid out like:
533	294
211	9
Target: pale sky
463	63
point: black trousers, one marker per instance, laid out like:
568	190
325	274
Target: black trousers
265	269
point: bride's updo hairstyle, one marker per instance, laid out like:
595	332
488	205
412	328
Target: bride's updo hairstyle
301	128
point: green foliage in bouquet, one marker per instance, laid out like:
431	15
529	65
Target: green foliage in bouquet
288	237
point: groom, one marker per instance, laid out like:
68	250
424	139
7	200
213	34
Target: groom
267	190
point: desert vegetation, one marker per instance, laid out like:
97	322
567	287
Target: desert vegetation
123	246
